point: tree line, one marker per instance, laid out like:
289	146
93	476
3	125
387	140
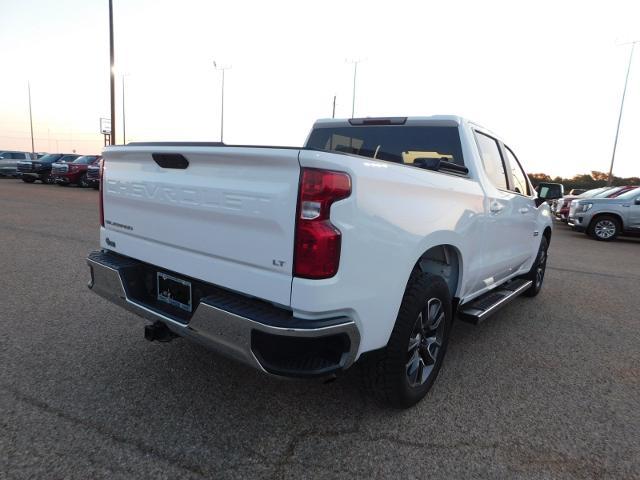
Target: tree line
587	181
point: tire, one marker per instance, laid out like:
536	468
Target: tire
48	180
605	228
402	373
83	181
28	179
538	270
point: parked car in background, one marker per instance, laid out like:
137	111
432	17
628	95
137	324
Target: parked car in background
577	191
94	173
75	172
606	218
603	192
40	169
9	161
561	210
616	191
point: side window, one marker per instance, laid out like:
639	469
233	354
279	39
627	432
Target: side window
492	160
520	184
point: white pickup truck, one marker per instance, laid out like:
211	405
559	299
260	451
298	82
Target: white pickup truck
360	246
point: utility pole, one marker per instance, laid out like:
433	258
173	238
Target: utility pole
223	68
624	93
33	149
333	115
112	77
124	122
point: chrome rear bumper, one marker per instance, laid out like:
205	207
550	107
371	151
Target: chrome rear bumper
230	333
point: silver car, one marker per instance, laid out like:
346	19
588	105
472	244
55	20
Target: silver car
9	161
606	218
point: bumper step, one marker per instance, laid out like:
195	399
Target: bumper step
483	307
255	332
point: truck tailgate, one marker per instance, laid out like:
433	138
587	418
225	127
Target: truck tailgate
228	218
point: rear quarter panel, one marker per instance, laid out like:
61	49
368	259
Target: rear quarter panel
394	214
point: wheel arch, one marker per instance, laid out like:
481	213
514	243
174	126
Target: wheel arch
605	214
444	260
547	234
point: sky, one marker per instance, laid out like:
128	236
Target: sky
546	76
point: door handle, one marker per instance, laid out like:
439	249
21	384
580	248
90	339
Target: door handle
496	207
523	210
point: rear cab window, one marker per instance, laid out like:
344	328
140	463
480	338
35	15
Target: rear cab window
402	144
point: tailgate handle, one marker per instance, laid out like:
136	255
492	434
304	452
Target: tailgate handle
171	160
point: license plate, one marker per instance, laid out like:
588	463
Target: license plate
174	291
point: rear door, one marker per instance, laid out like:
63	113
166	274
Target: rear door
525	212
227	217
499	231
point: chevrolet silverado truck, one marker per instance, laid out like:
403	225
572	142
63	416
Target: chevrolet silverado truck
360	246
75	172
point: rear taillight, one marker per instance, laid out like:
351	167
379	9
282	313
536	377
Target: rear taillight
102	193
317	242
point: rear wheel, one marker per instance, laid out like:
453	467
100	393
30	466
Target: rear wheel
538	270
402	373
28	179
605	228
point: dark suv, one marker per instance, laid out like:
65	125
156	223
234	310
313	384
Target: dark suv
40	169
67	173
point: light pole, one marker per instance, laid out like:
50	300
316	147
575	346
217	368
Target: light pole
223	68
624	93
112	136
33	149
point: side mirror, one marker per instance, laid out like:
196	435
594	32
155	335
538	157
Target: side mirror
549	191
637	202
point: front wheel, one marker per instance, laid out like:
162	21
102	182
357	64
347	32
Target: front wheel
402	373
48	180
28	179
84	183
605	228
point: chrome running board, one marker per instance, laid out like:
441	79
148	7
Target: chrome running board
486	305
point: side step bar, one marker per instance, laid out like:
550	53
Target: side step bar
481	308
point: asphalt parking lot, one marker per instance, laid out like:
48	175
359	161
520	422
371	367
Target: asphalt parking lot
548	388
